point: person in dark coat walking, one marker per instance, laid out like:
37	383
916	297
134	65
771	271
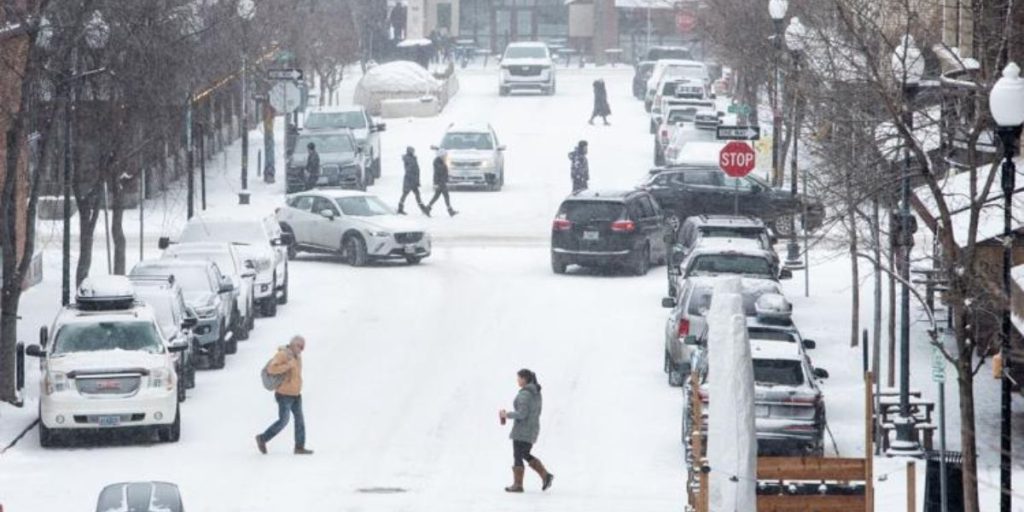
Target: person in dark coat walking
312	166
411	181
579	169
601	108
441	185
525	430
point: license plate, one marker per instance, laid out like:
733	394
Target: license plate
410	249
109	421
761	411
108	385
591	235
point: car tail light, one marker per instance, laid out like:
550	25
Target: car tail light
623	226
684	327
704	396
804	399
561	224
664	136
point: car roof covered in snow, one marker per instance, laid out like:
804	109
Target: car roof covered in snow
747	284
248	213
184	247
700	153
335	193
729	244
601	195
771	349
530	44
74	314
756	251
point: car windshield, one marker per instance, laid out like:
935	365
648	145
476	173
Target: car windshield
684	72
731	232
526	52
761	333
778	372
467	140
134	335
223	260
591	211
188	278
731	264
326	142
242	232
682	115
700	301
363	206
162	303
354	120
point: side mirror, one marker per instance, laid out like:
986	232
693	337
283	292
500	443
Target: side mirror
785	274
226	287
189	322
810	344
668	302
327	213
435	148
164	242
35	351
248	273
773	239
44	336
719	113
691	340
380	127
177	346
502	147
820	373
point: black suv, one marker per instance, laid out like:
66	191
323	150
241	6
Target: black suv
685	191
608	228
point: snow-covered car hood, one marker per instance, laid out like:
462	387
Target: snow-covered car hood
198	298
392	223
525	62
106	360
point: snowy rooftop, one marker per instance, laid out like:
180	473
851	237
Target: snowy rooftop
770	349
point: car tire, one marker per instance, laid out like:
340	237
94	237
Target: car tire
292	250
781	226
190	374
218	355
251	321
558	265
376	168
182	386
413	260
172	432
241	327
642	261
502	91
230	347
47	436
354	249
659	157
284	291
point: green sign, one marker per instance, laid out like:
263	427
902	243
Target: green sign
739	108
938	365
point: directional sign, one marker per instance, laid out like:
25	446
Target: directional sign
285	74
738	132
736	159
285	97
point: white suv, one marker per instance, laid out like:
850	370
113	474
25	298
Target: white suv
527	66
109	366
355	224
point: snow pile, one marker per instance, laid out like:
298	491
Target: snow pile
732	439
773	306
395	80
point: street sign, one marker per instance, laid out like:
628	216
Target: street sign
736	159
739	108
285	97
738	132
284	74
938	365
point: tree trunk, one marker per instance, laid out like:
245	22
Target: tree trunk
855	288
891	377
88	214
965	381
117	227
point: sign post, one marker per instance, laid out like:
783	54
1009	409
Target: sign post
736	160
939	376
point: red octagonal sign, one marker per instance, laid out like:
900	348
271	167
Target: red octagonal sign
736	159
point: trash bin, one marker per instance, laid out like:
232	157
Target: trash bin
954	482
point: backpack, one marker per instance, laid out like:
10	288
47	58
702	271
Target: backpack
270	381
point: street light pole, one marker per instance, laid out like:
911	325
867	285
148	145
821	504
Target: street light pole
777	11
245	10
795	34
65	289
1006	102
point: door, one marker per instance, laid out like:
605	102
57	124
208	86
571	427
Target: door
750	200
300	219
653	228
327	233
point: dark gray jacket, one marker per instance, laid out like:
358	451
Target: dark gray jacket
526	415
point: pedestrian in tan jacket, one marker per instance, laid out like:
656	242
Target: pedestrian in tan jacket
287	363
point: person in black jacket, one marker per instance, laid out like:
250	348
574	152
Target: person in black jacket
601	107
441	185
312	166
411	182
580	168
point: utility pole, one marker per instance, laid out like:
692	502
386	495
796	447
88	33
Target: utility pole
188	158
69	99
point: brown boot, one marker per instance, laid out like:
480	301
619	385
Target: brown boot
545	477
299	450
517	479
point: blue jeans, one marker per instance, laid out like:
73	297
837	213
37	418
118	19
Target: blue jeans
285	405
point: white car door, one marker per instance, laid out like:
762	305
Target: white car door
327	231
299	218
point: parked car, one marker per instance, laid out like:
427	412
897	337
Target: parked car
176	322
474	156
656	53
107	367
527	65
232	264
732	258
696	187
209	293
680	136
686	326
673	68
140	497
357	225
342	161
641	73
683	118
701	109
258	238
704	230
355	118
789	407
594	228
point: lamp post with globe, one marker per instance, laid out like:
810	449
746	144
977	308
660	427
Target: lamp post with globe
246	10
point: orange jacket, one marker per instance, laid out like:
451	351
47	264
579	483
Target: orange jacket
290	364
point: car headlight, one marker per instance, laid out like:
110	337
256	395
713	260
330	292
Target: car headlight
161	378
487	164
207	311
56	382
379	234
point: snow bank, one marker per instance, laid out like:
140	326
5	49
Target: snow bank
732	440
395	80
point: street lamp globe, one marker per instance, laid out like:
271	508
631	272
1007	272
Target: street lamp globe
777	9
1006	101
97	32
795	34
907	62
246	9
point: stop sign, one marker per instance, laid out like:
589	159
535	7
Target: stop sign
736	159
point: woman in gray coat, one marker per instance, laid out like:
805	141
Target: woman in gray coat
525	429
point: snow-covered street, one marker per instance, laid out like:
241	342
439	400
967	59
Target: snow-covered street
406	367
